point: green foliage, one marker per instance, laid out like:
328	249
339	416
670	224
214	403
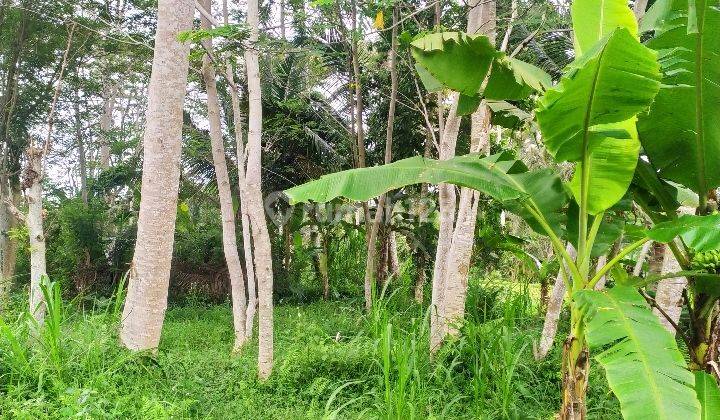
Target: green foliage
708	394
699	233
459	60
320	349
708	260
583	119
504	179
641	359
684	115
235	32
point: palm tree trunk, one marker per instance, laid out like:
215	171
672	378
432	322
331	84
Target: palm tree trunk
229	236
146	301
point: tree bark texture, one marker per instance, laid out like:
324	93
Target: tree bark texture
149	277
255	208
227	213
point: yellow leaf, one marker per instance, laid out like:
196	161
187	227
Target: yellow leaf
379	20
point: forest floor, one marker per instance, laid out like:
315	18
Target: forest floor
332	361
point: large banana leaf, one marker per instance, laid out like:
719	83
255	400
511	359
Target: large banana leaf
680	133
593	20
700	233
458	60
499	176
462	61
709	396
642	363
589	113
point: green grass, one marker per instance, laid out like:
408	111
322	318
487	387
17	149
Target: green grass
331	362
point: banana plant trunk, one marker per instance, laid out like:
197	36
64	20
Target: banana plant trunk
704	334
575	371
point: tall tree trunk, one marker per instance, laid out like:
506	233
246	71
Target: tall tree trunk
421	276
9	185
552	316
241	163
33	185
459	239
447	199
381	206
261	237
146	301
669	293
393	258
230	249
106	123
82	155
458	262
321	260
246	228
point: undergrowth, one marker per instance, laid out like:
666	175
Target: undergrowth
332	361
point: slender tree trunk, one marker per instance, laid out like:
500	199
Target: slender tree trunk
451	308
106	123
602	260
246	229
232	257
82	154
669	292
639	9
255	209
321	261
447	199
421	266
146	301
9	188
642	256
552	316
373	237
458	262
33	184
394	260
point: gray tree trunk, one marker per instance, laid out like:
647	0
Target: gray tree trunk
149	277
261	237
38	270
229	236
554	307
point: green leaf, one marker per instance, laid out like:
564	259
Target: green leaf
462	61
680	133
612	82
593	20
701	233
507	115
499	176
612	165
590	113
512	79
431	84
468	104
642	363
709	396
458	60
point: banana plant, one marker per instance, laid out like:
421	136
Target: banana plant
588	119
680	135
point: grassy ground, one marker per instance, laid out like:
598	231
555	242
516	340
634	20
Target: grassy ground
331	362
